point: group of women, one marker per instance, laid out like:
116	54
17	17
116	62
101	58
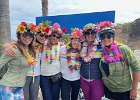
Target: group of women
99	69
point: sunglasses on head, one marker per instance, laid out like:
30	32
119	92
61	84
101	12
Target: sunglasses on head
42	35
56	36
106	36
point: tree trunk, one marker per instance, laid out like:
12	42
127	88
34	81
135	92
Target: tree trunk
44	7
5	31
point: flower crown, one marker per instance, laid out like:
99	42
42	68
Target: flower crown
24	27
55	28
94	27
44	27
106	26
77	33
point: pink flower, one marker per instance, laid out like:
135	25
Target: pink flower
106	24
64	30
112	54
47	29
56	25
23	23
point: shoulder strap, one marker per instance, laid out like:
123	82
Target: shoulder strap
125	61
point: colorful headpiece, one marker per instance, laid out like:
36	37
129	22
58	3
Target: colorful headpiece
44	27
107	27
55	28
77	33
28	28
91	26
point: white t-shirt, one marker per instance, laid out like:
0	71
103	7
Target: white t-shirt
50	69
66	73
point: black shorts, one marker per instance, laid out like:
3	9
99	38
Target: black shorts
116	95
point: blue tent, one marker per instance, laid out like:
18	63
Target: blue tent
78	20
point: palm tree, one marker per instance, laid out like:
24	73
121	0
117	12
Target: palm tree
5	31
44	7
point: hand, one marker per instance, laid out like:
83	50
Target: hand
133	94
9	49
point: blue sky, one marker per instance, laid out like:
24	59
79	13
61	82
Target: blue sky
27	10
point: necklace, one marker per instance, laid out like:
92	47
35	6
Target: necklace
69	59
87	57
112	54
38	48
49	53
31	62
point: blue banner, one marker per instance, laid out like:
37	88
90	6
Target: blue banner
78	20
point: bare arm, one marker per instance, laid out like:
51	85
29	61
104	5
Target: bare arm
136	79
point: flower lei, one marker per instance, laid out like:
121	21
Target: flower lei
69	60
38	48
31	62
50	54
112	54
88	57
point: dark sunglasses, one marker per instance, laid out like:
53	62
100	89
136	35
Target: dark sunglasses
42	35
58	37
106	36
89	33
28	35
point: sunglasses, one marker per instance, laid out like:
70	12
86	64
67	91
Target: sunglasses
28	35
56	36
106	36
42	35
89	33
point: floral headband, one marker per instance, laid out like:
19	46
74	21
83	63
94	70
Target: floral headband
55	28
77	33
44	27
24	27
107	27
94	27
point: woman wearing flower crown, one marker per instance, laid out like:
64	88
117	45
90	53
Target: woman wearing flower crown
117	65
91	78
31	86
13	80
50	66
70	63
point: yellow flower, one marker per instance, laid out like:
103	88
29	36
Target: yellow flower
43	30
21	29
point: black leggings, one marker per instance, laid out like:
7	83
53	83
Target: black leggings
70	89
116	95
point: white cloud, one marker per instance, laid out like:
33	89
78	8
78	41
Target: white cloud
27	10
23	10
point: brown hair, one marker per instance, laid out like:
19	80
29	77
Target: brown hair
22	49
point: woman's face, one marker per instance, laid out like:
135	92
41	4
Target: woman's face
107	40
41	38
54	38
26	39
75	43
90	37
